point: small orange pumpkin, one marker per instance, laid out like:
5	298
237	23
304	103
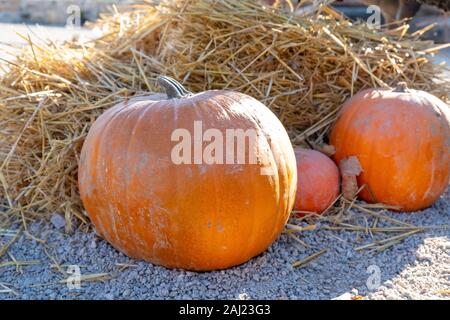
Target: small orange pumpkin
199	214
317	183
401	138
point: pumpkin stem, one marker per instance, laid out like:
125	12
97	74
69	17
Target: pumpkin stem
173	88
401	87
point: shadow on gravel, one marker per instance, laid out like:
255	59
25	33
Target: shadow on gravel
414	268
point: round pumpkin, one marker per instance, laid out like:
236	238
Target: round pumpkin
317	183
163	178
401	138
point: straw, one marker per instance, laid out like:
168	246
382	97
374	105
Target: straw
83	278
302	67
88	277
19	263
5	248
356	216
5	289
303	262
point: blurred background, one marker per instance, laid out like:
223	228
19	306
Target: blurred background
21	16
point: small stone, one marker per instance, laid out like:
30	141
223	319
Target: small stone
58	221
243	296
180	278
423	256
93	244
109	296
126	293
164	292
344	296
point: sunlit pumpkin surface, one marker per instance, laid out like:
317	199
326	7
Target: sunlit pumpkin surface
191	216
402	140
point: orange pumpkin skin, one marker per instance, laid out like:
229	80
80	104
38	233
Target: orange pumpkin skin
189	216
317	183
402	140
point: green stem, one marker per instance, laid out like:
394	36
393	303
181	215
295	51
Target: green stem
173	88
401	87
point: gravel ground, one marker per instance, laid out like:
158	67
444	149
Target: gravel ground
418	268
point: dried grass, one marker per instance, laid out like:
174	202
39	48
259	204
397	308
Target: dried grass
302	67
367	221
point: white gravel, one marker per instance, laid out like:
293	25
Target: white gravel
418	268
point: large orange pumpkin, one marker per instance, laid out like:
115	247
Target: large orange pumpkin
196	213
318	181
401	138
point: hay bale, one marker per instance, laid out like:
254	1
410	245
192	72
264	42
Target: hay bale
302	67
